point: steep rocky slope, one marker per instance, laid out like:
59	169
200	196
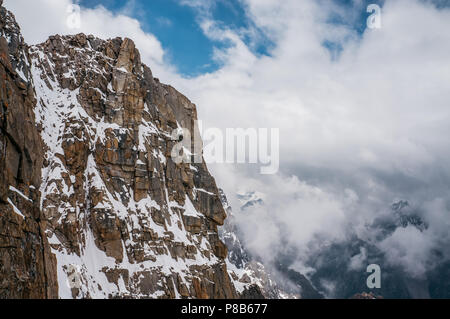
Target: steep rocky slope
91	203
26	266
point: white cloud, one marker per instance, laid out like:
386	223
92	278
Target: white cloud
377	119
294	212
370	108
357	262
41	18
409	248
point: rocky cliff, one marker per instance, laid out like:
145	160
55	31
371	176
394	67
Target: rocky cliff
91	203
26	264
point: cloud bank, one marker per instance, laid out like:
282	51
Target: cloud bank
358	131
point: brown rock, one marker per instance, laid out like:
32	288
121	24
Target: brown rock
108	177
26	264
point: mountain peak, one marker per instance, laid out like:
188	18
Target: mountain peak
88	171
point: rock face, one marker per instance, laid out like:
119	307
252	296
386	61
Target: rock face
27	269
92	205
366	295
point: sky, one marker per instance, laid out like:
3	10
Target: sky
363	113
175	24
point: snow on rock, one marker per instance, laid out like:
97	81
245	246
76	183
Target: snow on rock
123	219
24	265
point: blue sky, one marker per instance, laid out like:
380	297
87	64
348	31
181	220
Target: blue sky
176	26
187	48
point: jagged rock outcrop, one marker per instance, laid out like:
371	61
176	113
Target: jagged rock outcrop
109	183
366	295
27	269
91	203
